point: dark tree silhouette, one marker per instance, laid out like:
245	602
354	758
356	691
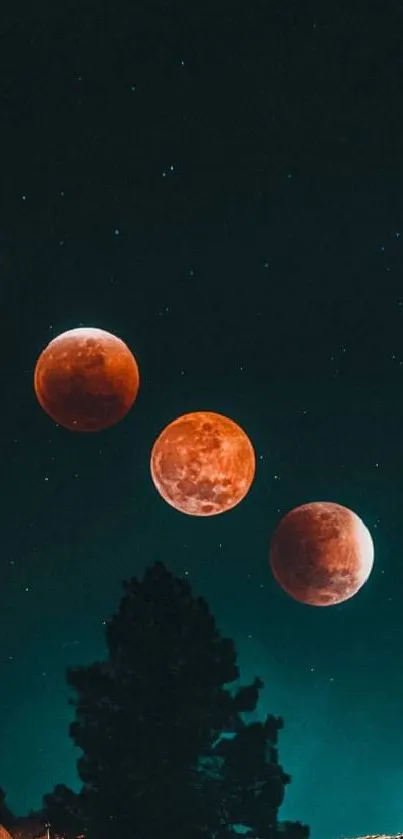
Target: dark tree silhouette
65	811
254	782
7	818
166	751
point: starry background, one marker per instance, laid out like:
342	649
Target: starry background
221	187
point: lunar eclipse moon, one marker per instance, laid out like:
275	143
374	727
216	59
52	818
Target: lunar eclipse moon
203	464
86	379
321	553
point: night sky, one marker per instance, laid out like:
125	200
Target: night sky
222	188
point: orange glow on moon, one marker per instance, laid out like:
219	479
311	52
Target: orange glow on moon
86	379
321	553
203	464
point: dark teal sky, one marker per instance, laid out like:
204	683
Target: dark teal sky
229	202
320	398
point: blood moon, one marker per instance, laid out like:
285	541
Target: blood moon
321	553
86	379
203	464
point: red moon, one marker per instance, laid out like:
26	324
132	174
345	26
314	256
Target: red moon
203	464
86	379
321	553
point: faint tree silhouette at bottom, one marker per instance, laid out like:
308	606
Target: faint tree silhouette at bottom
166	750
7	818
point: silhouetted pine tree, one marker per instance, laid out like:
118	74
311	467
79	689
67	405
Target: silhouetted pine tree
150	721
